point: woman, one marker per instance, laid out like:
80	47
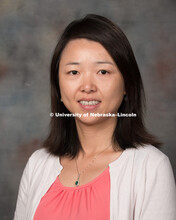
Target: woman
96	165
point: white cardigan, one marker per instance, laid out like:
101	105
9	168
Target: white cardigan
142	185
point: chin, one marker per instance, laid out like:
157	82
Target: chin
91	120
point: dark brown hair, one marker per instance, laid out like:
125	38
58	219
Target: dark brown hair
130	131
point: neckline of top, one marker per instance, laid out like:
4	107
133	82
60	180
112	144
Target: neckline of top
59	166
120	158
84	185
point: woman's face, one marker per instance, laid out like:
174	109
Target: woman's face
89	80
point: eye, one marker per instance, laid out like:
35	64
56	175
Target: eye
103	72
73	72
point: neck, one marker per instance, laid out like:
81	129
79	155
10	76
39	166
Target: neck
96	137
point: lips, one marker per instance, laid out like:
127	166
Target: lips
89	104
92	102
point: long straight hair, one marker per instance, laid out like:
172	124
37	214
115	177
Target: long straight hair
130	132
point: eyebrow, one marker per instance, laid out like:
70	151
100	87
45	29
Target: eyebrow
98	62
73	63
104	62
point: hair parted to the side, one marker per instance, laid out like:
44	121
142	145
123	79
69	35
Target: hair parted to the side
130	132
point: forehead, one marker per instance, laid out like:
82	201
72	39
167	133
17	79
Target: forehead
80	48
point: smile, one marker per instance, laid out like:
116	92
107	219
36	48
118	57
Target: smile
93	102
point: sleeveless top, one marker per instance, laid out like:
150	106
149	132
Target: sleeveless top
88	201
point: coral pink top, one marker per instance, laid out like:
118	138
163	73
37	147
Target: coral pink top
89	201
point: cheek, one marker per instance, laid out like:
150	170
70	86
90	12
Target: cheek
115	89
63	88
63	84
114	94
67	89
65	92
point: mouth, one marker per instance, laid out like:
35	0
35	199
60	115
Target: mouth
90	104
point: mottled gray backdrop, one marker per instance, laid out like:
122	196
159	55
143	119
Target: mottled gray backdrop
29	30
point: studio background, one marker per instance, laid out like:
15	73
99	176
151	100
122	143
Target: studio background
29	31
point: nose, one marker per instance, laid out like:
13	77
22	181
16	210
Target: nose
88	83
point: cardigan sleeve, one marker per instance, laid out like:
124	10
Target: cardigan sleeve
22	195
159	201
24	188
30	177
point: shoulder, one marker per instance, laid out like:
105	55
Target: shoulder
145	159
149	153
140	157
150	161
40	153
41	159
154	177
39	156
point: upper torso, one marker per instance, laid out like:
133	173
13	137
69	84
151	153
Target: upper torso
76	203
89	170
142	185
